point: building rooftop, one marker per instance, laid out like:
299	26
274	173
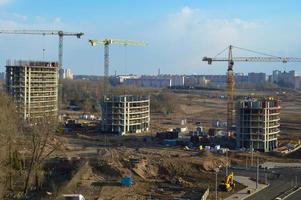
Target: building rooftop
30	63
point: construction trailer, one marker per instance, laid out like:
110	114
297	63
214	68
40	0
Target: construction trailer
257	122
33	86
125	114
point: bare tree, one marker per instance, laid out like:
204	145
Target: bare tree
10	134
42	143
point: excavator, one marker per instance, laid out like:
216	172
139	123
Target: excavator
228	184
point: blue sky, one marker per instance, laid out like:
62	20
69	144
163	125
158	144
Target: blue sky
179	33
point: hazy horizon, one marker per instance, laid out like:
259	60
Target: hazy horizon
179	33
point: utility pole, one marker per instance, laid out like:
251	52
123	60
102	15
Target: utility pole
257	173
216	184
251	153
246	162
227	163
266	177
296	181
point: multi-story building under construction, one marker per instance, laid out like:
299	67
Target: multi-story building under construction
125	114
257	123
33	85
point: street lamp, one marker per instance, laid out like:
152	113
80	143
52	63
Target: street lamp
216	172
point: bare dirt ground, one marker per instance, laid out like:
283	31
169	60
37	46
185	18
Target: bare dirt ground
158	171
163	172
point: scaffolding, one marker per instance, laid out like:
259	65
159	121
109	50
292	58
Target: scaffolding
33	85
257	123
125	114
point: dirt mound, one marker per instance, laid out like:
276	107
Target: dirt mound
175	167
105	169
144	169
210	164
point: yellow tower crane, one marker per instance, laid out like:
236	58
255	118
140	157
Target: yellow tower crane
107	42
230	73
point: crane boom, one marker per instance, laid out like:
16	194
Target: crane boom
107	42
42	32
230	73
60	33
117	42
254	59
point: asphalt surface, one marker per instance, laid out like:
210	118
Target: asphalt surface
295	196
280	181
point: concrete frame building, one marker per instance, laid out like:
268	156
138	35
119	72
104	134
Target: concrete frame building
257	123
125	114
33	85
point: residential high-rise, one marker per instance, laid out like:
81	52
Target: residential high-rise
33	85
285	79
257	123
68	74
125	114
256	78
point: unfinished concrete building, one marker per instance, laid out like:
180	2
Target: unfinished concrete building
257	123
33	86
125	114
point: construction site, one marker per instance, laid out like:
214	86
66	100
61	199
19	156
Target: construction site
125	114
258	117
34	87
121	142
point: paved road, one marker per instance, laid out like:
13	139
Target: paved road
280	180
295	196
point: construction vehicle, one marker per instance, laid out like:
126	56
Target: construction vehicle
230	73
228	184
107	42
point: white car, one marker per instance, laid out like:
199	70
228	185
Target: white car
73	197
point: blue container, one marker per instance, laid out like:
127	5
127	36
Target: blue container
127	181
170	142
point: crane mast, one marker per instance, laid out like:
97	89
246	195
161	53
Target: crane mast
230	59
60	33
107	42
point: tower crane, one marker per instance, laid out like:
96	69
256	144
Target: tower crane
60	33
107	42
230	73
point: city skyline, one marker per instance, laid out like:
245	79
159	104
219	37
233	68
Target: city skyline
179	34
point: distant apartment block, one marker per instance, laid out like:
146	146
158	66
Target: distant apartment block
125	114
115	80
216	80
156	82
256	78
33	85
297	82
286	79
87	77
159	81
2	76
257	123
68	74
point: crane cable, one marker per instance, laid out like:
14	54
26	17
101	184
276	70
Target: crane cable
249	50
256	52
